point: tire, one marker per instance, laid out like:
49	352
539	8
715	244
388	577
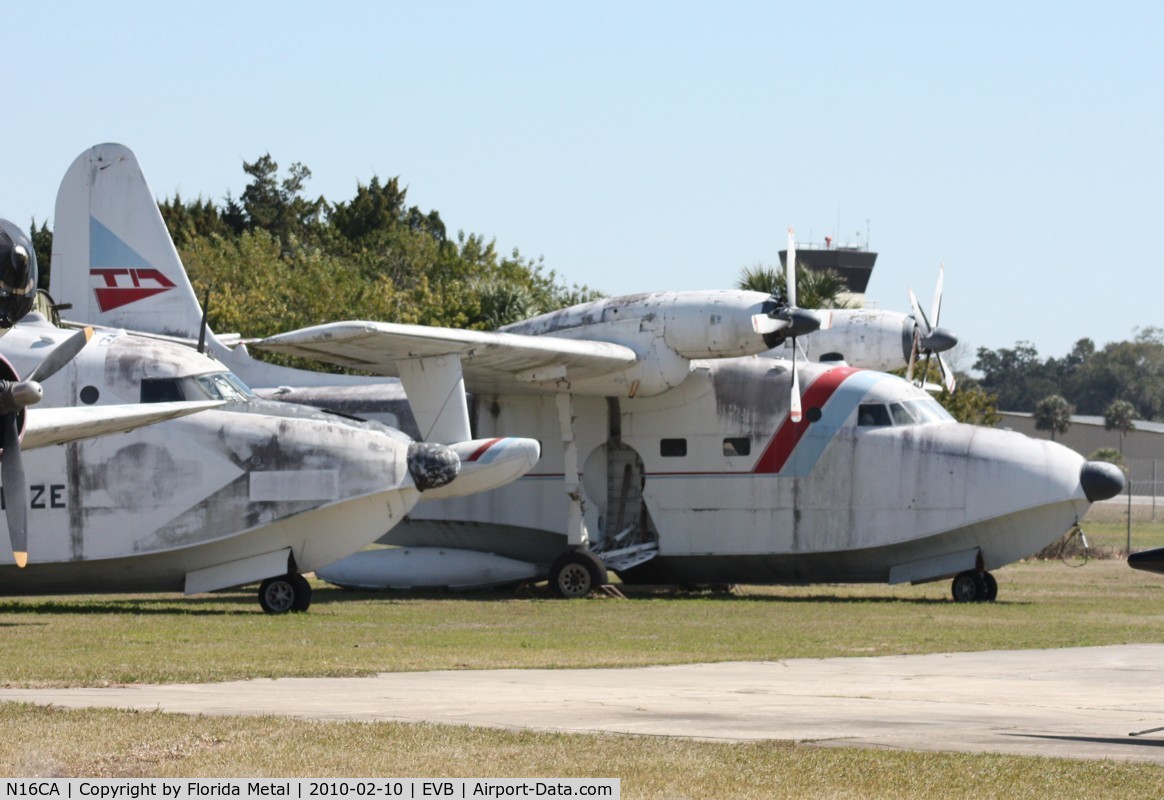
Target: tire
576	574
991	593
285	593
968	587
302	593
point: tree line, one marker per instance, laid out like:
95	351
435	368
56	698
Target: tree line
274	259
1121	382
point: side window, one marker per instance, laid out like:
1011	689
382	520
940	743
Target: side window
672	448
737	446
872	415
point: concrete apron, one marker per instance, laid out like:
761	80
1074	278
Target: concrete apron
1070	703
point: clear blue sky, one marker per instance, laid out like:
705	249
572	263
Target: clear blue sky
646	146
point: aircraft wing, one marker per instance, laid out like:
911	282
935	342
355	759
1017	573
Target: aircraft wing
48	426
491	361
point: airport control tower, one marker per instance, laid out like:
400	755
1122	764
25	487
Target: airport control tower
854	263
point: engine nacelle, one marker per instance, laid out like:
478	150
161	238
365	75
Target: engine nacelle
862	337
666	330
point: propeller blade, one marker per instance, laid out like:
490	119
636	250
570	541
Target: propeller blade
948	379
15	488
762	324
790	269
918	316
60	355
912	357
25	393
794	400
936	308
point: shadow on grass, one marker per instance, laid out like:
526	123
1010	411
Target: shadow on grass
244	602
168	606
333	595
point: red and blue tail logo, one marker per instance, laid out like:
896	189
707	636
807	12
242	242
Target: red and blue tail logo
122	275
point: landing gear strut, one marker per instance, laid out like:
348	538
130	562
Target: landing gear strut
576	574
285	593
974	586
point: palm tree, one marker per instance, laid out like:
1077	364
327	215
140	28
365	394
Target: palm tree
1119	416
500	302
1053	413
814	288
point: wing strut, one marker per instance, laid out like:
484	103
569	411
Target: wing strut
435	388
576	534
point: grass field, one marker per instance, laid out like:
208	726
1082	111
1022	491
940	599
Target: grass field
69	641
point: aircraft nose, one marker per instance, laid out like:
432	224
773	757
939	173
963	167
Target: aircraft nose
432	465
1100	480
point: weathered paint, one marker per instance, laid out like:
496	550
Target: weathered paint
824	500
133	511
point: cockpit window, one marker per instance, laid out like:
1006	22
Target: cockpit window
871	415
219	386
161	390
214	386
927	409
908	412
901	415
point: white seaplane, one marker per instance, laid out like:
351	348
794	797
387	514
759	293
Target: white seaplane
672	452
248	490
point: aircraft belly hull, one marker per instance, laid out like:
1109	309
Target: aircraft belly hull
352	523
1001	540
141	510
881	490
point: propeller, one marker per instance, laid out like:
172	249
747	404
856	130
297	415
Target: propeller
15	397
929	339
785	320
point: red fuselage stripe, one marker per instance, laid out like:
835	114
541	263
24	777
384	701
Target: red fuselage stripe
789	433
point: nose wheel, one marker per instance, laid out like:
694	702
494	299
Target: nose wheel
285	593
974	586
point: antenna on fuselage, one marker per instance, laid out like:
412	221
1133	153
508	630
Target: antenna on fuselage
202	325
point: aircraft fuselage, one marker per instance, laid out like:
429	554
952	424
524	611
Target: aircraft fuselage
876	484
174	505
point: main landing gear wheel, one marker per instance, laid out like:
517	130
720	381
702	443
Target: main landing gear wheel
285	593
973	586
576	574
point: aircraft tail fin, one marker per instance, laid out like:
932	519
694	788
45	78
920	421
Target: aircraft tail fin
113	259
